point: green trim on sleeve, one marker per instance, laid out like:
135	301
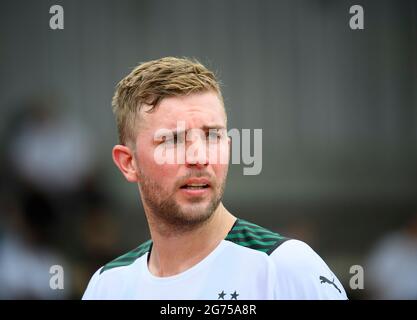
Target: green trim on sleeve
128	258
252	236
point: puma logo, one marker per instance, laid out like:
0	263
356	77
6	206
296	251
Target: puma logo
325	280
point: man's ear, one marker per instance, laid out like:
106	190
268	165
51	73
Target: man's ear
125	161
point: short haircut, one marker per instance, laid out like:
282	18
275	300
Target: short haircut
152	81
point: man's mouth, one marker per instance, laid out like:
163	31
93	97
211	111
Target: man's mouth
195	186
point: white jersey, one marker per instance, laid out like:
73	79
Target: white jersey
250	263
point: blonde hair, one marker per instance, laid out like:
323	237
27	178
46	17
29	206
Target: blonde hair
152	81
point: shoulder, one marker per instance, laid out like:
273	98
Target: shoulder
129	257
253	236
302	274
299	271
295	253
117	272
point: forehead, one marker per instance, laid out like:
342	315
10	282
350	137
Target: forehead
196	110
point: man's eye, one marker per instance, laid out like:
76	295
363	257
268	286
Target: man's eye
173	140
170	141
213	136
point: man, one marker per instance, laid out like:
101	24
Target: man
198	249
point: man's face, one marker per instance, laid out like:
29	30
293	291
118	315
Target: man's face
183	193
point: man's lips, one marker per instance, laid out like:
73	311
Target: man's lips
196	187
196	184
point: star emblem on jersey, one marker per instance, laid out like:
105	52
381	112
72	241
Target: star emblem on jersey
232	295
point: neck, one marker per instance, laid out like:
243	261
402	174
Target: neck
175	252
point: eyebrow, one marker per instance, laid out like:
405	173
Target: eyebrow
175	132
216	126
204	128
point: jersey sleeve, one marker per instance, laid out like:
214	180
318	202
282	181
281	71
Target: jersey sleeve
302	275
91	291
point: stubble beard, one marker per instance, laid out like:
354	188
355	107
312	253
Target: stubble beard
168	216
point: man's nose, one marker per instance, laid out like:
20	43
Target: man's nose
196	153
